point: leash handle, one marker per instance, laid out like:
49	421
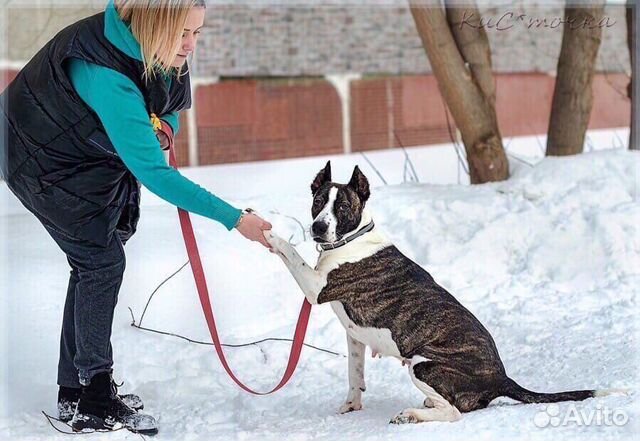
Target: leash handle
203	294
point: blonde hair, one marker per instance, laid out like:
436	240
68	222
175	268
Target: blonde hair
158	26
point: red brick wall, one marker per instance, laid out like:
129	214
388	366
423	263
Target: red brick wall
412	108
6	76
611	107
523	103
182	141
394	111
249	120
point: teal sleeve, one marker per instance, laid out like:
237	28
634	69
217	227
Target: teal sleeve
173	120
120	106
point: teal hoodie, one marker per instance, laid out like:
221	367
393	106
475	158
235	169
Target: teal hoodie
120	106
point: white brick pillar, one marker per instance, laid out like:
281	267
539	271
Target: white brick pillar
342	83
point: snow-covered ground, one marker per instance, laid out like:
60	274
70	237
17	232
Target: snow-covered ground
549	261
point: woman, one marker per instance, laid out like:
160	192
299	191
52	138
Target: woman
78	139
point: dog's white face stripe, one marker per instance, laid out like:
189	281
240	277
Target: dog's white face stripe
327	216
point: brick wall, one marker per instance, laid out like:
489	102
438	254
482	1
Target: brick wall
250	120
247	120
395	111
182	141
6	76
260	38
524	102
611	107
254	40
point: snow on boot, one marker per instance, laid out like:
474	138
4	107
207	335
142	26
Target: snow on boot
100	409
68	400
131	400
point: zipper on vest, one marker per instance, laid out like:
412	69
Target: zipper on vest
103	149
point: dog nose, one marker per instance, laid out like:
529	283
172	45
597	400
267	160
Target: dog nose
319	228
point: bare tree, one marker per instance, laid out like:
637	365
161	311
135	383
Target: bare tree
634	143
573	96
460	58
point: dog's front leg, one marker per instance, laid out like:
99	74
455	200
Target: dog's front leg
310	281
356	376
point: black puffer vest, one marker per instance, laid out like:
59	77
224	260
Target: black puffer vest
55	154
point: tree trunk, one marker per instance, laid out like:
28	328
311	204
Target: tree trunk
468	92
473	45
634	142
573	97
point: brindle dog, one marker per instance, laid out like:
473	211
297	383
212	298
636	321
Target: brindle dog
386	301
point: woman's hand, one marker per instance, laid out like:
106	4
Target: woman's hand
252	226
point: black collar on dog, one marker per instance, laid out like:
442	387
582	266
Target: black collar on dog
333	245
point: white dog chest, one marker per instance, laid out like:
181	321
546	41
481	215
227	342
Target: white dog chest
378	339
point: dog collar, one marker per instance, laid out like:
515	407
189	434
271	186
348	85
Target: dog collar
333	245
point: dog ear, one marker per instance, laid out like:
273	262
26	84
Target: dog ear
322	177
360	184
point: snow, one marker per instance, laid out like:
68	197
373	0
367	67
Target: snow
549	261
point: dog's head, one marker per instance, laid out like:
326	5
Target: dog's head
337	208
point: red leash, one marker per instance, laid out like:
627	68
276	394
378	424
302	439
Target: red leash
203	293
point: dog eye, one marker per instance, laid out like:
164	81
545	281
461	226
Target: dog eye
317	202
343	207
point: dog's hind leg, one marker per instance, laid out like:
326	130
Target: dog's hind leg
356	376
439	409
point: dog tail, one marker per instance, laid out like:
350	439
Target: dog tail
513	390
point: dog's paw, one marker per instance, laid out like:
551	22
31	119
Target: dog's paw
404	417
278	245
349	407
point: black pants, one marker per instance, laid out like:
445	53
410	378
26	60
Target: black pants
94	283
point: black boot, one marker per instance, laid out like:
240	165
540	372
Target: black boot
68	400
100	409
131	400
